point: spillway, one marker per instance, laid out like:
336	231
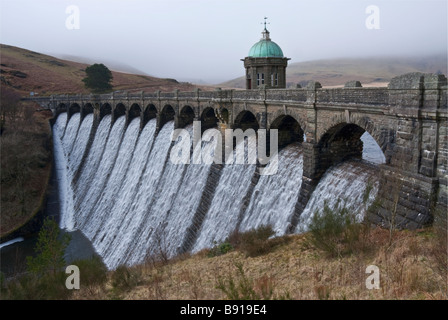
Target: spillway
119	187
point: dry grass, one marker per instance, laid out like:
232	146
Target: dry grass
294	270
48	75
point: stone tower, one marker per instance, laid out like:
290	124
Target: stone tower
265	65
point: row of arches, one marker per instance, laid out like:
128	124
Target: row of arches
338	143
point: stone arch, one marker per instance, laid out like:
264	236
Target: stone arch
208	119
61	107
186	116
149	113
382	136
134	112
86	109
167	114
74	108
340	142
224	115
275	116
105	109
289	130
245	120
119	110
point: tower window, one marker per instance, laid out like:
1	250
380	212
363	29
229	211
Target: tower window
258	79
262	78
276	79
272	79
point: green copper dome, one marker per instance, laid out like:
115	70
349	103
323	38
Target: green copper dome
265	48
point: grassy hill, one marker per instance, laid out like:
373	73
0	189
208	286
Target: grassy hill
373	71
27	71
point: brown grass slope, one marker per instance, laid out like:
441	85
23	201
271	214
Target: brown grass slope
28	71
336	72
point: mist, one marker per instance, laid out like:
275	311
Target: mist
204	40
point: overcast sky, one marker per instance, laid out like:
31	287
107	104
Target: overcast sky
205	39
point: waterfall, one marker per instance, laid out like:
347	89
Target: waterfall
223	216
80	143
70	133
131	201
351	183
275	196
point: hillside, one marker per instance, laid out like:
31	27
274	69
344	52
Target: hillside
373	71
27	71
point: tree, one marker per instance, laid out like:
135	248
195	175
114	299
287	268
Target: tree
50	249
98	79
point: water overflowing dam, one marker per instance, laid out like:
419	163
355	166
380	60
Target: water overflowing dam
121	190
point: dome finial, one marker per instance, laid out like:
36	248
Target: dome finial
265	31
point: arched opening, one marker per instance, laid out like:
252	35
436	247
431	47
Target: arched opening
224	113
120	110
186	117
149	113
246	120
289	130
208	119
104	110
166	115
342	142
60	109
134	112
74	108
86	109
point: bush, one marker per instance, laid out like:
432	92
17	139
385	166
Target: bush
220	249
244	288
50	248
124	278
93	273
33	287
254	242
336	231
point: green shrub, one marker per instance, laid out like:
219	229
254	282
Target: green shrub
256	242
220	249
336	230
93	273
124	278
49	286
50	248
244	288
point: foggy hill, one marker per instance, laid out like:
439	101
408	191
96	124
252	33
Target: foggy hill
336	72
28	71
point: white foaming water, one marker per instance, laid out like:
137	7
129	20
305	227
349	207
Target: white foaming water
275	196
80	144
91	222
167	188
186	202
130	200
83	184
112	188
61	123
223	215
70	133
124	244
61	166
346	182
